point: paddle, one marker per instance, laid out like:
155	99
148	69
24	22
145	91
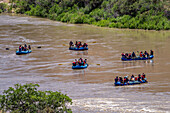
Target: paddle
94	64
33	47
71	63
65	64
93	42
87	43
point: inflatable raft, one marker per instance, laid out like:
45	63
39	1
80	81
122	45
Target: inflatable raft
80	67
23	52
130	83
137	58
78	49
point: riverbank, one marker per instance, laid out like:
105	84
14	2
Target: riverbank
148	15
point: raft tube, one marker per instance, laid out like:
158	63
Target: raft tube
138	58
80	67
130	83
23	52
78	49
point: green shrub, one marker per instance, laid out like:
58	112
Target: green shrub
103	23
76	19
67	17
98	14
119	25
125	19
59	17
91	20
26	98
3	7
126	25
140	14
112	25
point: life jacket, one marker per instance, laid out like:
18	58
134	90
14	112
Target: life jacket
143	77
136	78
124	79
120	79
139	78
141	55
132	78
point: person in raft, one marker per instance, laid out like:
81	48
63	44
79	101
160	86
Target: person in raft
20	48
71	43
76	44
85	45
132	78
123	55
126	80
25	45
120	79
133	55
116	79
151	52
79	62
29	47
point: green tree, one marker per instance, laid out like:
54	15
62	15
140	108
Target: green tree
3	7
134	14
26	98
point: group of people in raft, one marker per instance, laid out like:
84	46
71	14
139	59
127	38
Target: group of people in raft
132	78
24	47
137	54
79	62
78	44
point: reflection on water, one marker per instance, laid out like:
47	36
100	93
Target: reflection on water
138	63
80	74
91	89
79	52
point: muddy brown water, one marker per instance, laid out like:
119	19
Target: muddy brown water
91	89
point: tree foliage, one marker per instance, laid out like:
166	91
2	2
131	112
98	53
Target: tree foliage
133	14
26	98
3	7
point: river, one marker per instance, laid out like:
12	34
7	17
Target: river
91	89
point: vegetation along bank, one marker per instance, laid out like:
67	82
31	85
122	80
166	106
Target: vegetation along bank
27	99
133	14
